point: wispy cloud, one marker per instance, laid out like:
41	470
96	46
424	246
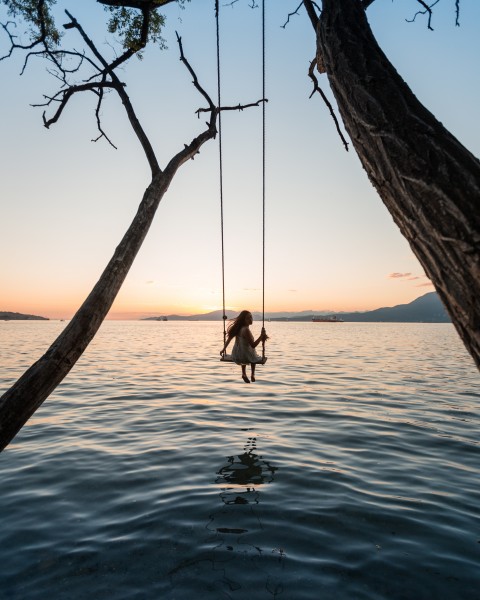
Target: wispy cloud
149	282
428	284
398	275
413	278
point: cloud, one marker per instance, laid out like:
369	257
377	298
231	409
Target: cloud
292	290
398	275
428	284
413	278
149	282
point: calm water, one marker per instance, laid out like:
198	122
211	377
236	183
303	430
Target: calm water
350	470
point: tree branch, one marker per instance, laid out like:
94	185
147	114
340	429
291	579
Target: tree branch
99	123
195	78
428	9
119	87
295	12
67	94
316	88
20	402
309	7
239	107
142	42
40	40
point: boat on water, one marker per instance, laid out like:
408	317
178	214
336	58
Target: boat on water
333	319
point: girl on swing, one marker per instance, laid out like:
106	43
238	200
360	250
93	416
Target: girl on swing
244	352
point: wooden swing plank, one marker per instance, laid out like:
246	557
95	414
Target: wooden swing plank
228	358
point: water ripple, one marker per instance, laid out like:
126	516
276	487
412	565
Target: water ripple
349	470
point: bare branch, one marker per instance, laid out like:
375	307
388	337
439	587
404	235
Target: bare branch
254	4
195	78
316	88
239	107
428	9
119	87
40	40
295	12
99	123
63	96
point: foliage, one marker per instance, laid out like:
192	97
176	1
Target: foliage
37	15
127	23
136	23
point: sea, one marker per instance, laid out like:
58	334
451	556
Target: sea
349	470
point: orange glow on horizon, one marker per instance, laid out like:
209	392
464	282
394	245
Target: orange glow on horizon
136	309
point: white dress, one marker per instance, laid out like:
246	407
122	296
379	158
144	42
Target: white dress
243	353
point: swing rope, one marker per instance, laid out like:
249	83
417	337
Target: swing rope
263	174
220	155
217	19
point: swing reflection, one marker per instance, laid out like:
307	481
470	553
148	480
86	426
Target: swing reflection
243	474
240	556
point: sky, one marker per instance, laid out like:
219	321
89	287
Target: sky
330	242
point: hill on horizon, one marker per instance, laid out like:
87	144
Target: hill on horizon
14	316
425	309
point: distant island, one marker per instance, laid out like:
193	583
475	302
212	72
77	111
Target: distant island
14	316
425	309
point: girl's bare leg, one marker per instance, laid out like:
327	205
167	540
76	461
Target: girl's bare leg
253	371
244	374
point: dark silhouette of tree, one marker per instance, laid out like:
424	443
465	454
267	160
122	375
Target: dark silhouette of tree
139	23
428	181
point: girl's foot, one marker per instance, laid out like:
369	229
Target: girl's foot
253	378
245	379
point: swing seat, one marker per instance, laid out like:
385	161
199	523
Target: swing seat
228	358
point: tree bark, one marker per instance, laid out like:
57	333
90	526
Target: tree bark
428	181
19	403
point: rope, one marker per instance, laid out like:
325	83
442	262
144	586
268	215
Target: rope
217	19
263	173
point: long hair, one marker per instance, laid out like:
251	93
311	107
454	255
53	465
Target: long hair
237	323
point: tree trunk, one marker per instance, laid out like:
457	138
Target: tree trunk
428	181
19	403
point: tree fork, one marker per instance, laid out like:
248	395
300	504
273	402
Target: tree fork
428	181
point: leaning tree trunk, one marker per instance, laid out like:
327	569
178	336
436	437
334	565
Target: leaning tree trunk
428	181
19	403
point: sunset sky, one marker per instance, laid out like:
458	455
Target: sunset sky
331	244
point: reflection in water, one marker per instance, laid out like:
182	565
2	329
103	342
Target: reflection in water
244	473
238	534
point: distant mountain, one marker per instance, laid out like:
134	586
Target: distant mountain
215	315
426	309
14	316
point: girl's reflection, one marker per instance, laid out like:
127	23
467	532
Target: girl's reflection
243	474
